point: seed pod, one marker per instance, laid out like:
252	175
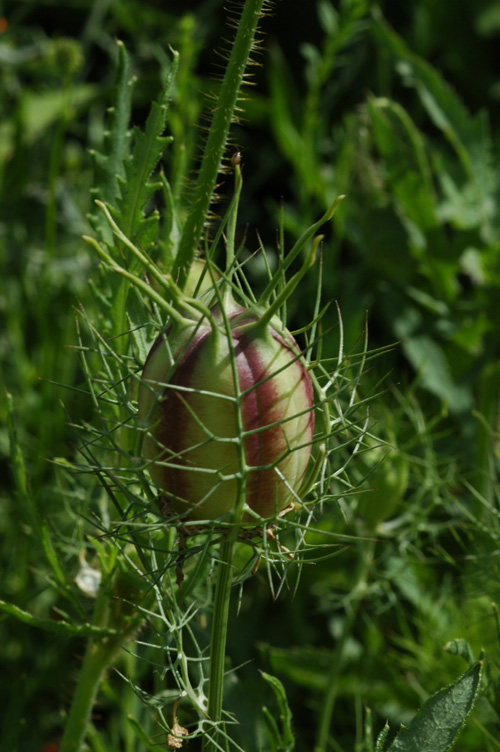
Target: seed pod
219	406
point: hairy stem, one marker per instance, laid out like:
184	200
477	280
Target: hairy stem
217	138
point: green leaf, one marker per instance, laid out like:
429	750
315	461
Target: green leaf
408	171
123	179
38	111
428	358
464	131
17	464
117	136
383	239
282	120
52	557
304	665
137	317
59	627
283	740
127	181
109	166
380	743
438	723
143	737
469	134
136	187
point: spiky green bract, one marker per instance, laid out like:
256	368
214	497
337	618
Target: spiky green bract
198	416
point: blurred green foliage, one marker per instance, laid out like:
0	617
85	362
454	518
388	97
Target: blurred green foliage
395	105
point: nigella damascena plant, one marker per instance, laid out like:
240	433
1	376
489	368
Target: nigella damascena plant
227	404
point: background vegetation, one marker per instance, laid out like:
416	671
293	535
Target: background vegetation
397	106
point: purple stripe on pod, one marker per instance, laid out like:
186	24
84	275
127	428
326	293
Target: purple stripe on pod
192	441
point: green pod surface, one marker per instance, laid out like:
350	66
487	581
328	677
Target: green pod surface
226	403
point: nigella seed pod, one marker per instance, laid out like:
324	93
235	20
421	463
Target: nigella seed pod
220	405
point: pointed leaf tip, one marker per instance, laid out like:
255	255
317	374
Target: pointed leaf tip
331	211
440	720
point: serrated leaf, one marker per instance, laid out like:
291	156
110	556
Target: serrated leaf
135	186
118	137
438	723
109	165
379	744
124	178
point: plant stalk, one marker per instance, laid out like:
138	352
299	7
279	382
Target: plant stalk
218	641
98	656
217	139
222	597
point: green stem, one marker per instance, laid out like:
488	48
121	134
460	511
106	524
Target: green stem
98	656
222	597
231	224
281	298
218	640
306	236
135	280
328	704
217	138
